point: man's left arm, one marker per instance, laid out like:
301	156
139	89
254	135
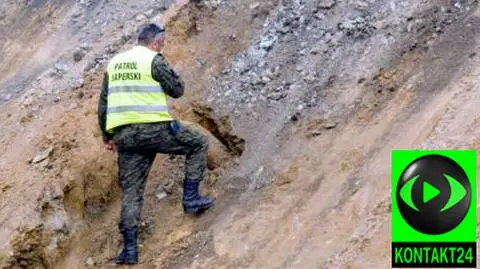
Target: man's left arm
171	82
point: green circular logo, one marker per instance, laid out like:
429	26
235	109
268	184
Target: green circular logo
433	194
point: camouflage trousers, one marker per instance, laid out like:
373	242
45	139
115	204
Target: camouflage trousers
137	147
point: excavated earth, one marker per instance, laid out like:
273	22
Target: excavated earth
303	102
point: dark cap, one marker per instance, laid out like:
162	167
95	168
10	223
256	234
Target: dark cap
147	32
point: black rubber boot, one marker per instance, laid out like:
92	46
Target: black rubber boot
129	254
193	202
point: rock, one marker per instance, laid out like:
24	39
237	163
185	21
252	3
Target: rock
330	125
169	187
267	44
59	70
313	134
77	14
257	177
149	13
212	4
269	74
202	62
266	79
309	79
283	30
28	101
86	3
302	19
78	55
85	46
328	37
256	80
294	118
140	17
323	47
319	16
113	48
326	4
254	6
276	71
72	106
336	39
45	154
78	83
26	118
278	96
161	194
90	262
358	28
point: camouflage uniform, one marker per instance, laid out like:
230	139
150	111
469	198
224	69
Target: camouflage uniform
137	147
138	144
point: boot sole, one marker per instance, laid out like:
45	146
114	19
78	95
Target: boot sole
125	262
196	210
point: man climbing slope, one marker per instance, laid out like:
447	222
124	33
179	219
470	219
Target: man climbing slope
134	119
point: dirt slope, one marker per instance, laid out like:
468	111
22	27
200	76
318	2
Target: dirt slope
303	102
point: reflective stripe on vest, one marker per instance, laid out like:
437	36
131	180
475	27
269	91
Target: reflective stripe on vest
134	89
133	95
120	109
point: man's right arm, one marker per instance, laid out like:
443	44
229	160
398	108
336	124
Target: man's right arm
171	82
102	110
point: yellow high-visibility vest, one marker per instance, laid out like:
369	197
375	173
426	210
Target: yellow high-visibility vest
133	95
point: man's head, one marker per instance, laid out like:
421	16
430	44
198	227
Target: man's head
152	36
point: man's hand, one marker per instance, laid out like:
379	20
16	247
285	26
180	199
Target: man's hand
110	145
